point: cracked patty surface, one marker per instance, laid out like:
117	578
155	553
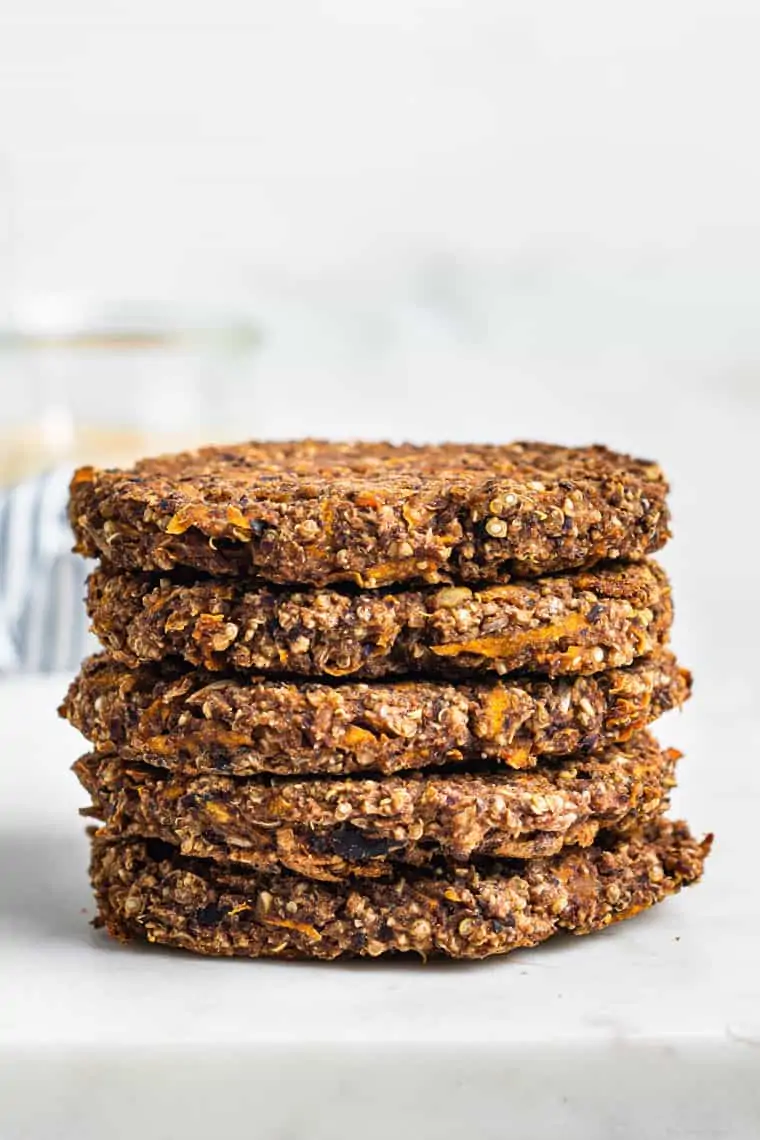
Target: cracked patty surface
374	514
578	623
330	828
195	721
148	891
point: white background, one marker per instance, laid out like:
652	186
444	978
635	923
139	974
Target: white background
477	219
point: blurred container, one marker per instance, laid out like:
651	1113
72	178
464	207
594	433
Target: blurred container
103	391
112	387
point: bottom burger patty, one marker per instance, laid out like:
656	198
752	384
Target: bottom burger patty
147	890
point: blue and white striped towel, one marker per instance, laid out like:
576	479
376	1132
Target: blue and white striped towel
43	623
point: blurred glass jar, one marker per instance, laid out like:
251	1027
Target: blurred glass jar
105	389
102	392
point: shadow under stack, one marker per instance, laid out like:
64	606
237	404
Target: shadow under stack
362	699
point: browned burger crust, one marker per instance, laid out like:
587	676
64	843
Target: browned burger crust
580	623
330	828
372	513
147	891
196	722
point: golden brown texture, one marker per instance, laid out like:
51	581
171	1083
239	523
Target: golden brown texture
578	623
331	828
197	721
148	891
372	513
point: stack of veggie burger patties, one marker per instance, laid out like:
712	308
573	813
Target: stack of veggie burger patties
359	698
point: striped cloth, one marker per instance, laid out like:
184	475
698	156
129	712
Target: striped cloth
43	624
